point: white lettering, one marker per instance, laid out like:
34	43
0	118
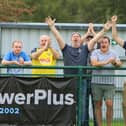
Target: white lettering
37	97
29	97
40	95
5	98
55	99
69	100
20	98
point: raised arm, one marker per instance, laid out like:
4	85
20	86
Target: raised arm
51	24
93	41
114	32
89	31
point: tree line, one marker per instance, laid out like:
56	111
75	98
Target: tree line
66	11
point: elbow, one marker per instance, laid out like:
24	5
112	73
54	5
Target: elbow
3	62
93	64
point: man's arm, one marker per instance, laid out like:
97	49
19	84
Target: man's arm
6	62
112	60
89	31
114	32
56	54
27	63
36	54
93	41
51	24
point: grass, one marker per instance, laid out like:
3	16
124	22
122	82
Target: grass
114	123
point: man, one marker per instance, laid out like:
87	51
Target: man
77	53
103	86
16	57
89	35
45	55
115	36
122	43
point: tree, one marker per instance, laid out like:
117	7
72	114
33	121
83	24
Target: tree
14	10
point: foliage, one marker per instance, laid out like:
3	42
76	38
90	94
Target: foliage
79	11
14	10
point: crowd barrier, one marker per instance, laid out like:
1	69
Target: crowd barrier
69	99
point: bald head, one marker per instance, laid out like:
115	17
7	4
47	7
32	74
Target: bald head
44	39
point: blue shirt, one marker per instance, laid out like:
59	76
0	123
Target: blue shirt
10	56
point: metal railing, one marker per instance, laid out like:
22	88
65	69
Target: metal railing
79	76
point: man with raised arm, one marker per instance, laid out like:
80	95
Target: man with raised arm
115	36
122	43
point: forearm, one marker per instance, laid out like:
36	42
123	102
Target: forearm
83	38
36	54
99	63
117	63
27	63
115	35
57	36
56	54
93	41
5	62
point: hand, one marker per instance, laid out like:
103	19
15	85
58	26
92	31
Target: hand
107	25
91	26
50	21
21	60
15	62
112	60
114	18
45	47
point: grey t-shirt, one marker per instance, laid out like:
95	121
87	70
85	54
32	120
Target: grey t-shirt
74	57
97	54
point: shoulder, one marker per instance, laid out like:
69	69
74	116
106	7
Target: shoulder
34	50
96	51
67	47
112	51
23	53
10	53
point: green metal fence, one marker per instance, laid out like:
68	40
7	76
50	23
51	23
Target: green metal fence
120	74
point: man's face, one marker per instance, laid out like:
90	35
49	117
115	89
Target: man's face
17	47
104	45
76	40
44	40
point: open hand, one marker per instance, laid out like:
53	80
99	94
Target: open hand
50	21
114	18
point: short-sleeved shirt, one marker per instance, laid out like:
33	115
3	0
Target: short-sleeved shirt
97	54
10	56
74	57
45	59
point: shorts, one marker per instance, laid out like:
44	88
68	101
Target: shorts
103	91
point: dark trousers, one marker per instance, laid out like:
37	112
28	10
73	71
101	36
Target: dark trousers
86	92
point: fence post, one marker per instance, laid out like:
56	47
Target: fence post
124	103
79	104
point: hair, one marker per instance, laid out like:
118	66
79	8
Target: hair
16	41
106	37
76	33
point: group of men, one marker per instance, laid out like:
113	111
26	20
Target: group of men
76	54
